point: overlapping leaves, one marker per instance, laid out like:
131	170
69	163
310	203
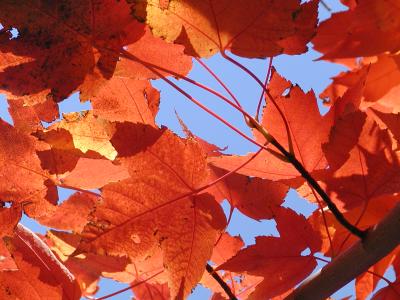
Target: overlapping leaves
156	221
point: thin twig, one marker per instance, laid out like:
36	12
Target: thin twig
257	117
320	207
331	205
252	75
221	282
326	6
307	176
65	186
213	74
127	288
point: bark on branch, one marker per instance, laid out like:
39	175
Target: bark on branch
379	242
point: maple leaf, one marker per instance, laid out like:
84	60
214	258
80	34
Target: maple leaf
254	197
304	121
349	3
28	118
391	122
278	260
77	149
368	281
88	133
370	28
380	89
9	218
362	215
390	292
226	247
375	83
150	269
23	284
22	180
153	291
383	78
7	262
92	174
124	99
143	212
79	42
257	29
149	278
370	167
150	51
71	214
66	39
242	192
345	97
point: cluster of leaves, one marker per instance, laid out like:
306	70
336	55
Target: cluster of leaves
157	220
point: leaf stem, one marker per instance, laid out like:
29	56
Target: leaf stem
213	74
127	288
321	208
326	6
221	282
252	75
263	89
65	186
235	104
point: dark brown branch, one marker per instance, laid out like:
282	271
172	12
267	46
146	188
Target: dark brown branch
314	184
221	282
332	206
379	242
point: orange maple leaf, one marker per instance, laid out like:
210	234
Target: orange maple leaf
145	211
258	28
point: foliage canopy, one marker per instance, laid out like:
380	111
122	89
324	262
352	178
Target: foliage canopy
157	222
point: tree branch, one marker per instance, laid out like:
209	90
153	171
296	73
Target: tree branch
331	205
379	242
307	176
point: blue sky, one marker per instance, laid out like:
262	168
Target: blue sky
301	69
